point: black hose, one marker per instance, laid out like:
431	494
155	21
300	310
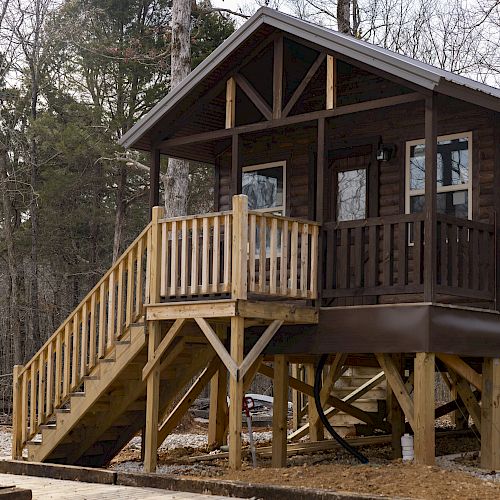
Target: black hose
322	416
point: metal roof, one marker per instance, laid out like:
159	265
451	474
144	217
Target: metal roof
418	73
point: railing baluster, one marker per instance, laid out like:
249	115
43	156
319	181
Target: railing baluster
164	261
453	243
33	391
129	307
93	331
472	258
273	269
58	370
262	254
417	252
294	241
194	257
343	263
216	255
313	286
205	257
139	278
388	255
184	257
373	258
111	310
102	320
402	253
252	230
304	259
41	388
75	350
24	407
444	252
174	260
49	407
85	341
284	259
67	360
227	252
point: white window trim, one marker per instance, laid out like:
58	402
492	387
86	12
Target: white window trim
262	166
443	189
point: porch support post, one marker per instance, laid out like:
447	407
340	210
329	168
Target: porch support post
396	414
430	249
218	405
278	78
490	415
423	399
236	393
154	179
280	410
154	331
320	188
496	192
235	164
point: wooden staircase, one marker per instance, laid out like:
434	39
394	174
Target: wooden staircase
146	329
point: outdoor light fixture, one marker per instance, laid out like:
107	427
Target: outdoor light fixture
385	152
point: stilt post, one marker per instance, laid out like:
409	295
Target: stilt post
396	414
280	410
424	439
316	431
490	415
236	393
154	332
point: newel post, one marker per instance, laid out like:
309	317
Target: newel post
17	415
154	337
239	267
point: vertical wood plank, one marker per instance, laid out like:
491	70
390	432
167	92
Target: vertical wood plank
129	307
284	259
417	252
17	415
58	370
33	393
314	262
373	261
184	257
294	243
273	268
174	259
84	341
102	320
252	229
227	252
194	257
331	83
280	411
490	415
278	78
239	255
67	360
236	393
24	407
402	253
93	331
139	278
120	308
49	406
216	255
230	102
111	310
205	253
262	254
41	388
304	259
75	351
423	399
164	261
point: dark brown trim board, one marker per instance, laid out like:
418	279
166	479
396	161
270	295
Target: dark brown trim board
419	327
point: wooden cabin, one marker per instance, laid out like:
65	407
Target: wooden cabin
328	237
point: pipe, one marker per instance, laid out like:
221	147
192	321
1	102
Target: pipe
322	416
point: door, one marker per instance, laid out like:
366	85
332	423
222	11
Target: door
352	182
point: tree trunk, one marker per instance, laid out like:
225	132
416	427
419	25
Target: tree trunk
176	180
15	319
120	211
343	16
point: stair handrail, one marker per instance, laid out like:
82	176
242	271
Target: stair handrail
52	383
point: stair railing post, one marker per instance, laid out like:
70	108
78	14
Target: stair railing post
240	247
17	416
154	333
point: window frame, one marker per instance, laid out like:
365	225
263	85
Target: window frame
441	189
281	209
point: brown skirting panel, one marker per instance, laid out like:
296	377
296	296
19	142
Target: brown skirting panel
397	328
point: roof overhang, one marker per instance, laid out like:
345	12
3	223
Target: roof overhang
424	76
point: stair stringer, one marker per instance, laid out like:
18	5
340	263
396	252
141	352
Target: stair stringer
106	372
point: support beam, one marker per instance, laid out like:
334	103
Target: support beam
424	432
316	431
331	82
396	413
188	399
397	386
303	84
430	228
280	410
236	394
458	365
154	179
468	397
490	415
257	100
230	103
278	77
154	330
296	400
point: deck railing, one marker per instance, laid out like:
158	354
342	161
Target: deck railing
237	253
384	256
88	334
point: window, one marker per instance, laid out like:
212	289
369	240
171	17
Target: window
454	179
265	186
351	194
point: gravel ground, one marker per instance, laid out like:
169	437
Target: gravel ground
5	441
